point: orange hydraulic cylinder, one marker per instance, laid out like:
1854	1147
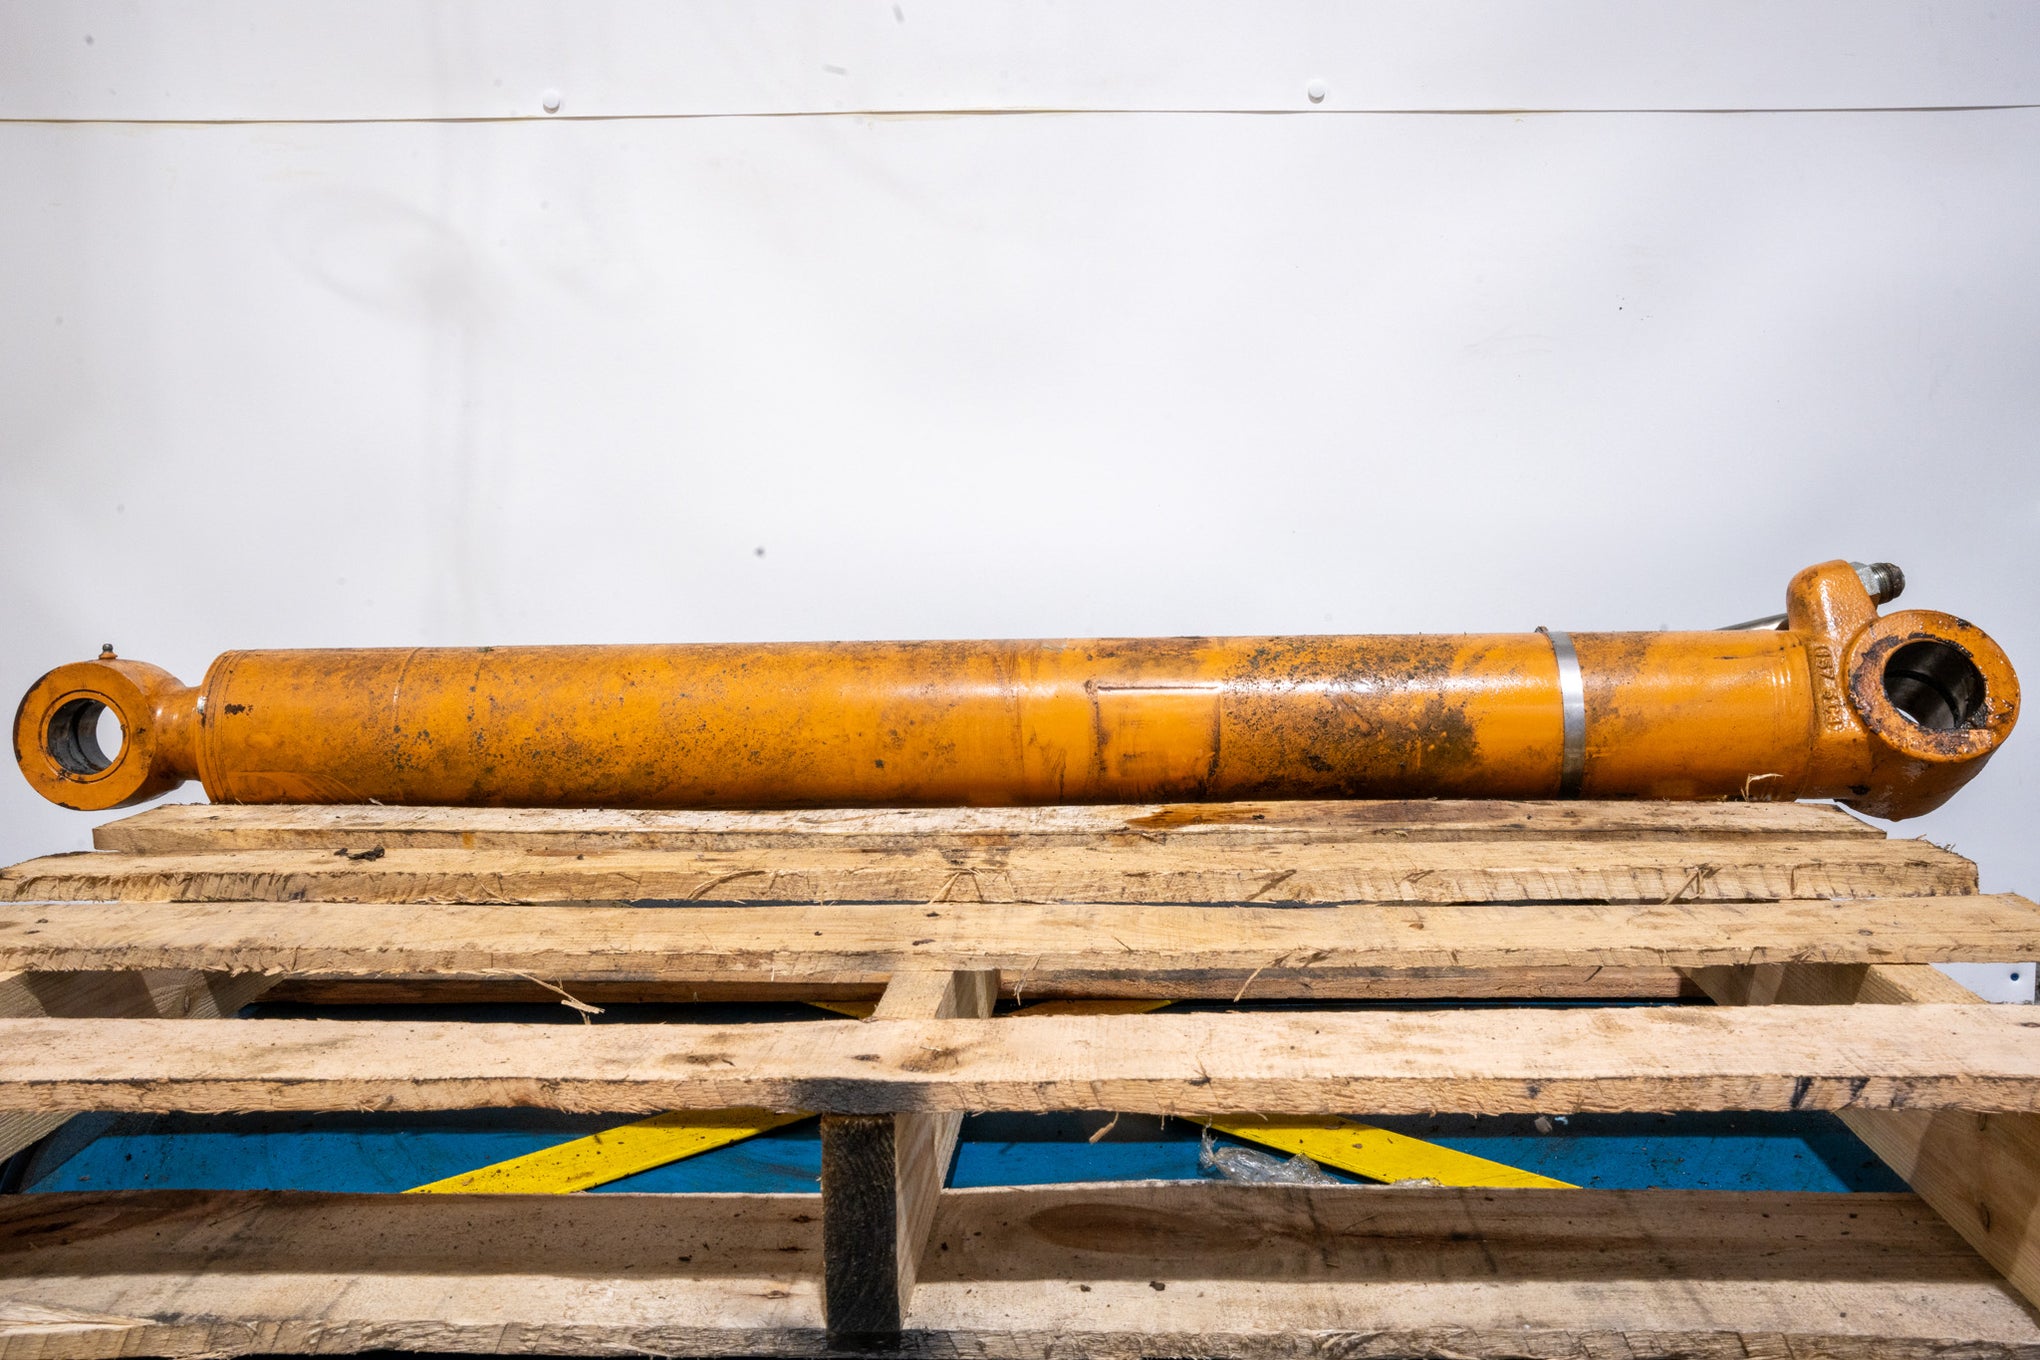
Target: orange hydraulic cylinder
1753	713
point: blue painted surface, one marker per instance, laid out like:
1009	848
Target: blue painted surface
1799	1152
389	1152
303	1151
1728	1151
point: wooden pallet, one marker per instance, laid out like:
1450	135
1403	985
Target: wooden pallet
187	912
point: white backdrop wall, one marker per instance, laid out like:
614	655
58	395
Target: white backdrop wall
871	320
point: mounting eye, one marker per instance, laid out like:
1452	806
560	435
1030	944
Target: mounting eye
1936	696
1935	684
73	737
96	735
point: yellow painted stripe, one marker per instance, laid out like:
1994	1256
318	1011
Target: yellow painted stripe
612	1154
1381	1155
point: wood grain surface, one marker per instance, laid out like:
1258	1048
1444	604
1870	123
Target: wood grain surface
1978	1058
1113	1271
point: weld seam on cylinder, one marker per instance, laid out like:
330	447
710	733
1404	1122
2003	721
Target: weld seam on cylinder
1572	703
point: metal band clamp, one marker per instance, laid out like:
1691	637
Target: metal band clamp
1572	702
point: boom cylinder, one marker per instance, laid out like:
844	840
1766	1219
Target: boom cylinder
1890	715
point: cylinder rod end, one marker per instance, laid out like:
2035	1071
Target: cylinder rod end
62	744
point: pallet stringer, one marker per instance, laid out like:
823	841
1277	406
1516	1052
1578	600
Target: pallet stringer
882	1174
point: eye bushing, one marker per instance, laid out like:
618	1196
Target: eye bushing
1935	684
73	737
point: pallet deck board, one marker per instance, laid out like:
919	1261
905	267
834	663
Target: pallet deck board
1280	1273
1701	869
1409	1062
1193	947
188	827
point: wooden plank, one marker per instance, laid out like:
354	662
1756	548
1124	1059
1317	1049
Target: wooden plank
1112	1271
98	1275
1730	869
881	1175
1474	1061
1452	1272
185	827
168	995
1980	1171
864	944
1503	984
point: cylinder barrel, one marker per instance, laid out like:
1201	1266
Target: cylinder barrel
1749	713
